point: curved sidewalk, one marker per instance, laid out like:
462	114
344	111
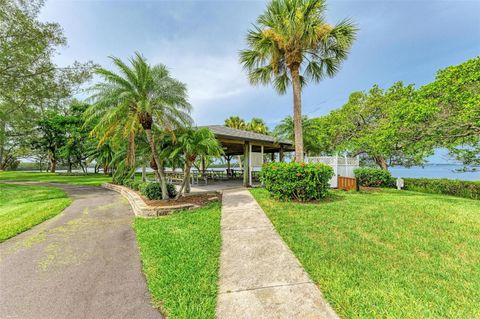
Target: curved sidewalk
259	275
83	263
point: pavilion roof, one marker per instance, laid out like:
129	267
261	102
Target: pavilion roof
222	131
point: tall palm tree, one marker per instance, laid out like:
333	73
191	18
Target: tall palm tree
292	43
139	98
192	143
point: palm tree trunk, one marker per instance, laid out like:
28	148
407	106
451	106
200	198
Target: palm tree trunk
144	172
159	171
186	180
297	113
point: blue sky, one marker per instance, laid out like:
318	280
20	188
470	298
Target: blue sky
199	42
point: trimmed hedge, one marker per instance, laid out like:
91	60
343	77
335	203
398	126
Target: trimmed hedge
298	181
466	189
153	190
374	177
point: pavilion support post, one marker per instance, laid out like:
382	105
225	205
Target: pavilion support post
281	153
250	165
273	157
246	167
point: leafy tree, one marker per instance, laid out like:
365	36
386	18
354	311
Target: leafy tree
292	43
384	125
138	99
30	83
192	143
51	137
455	97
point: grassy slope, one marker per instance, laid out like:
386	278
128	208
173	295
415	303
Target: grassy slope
387	254
180	256
91	179
22	207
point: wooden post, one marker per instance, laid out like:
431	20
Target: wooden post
246	167
281	153
250	164
273	157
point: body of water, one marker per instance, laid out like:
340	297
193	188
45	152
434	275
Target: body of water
435	171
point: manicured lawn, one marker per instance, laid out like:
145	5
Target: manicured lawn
22	207
180	255
387	254
90	179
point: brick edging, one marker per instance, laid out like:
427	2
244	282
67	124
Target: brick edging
140	208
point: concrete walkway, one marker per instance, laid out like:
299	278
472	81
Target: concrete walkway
83	263
259	275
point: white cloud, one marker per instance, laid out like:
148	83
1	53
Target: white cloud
208	77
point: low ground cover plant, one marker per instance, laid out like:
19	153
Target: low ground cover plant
374	177
24	206
466	189
88	179
386	254
180	258
296	181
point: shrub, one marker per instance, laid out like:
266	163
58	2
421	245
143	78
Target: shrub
128	182
154	191
297	181
171	190
118	179
374	177
135	185
466	189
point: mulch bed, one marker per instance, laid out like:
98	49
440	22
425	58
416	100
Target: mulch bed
196	199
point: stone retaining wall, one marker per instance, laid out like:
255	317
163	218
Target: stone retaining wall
140	208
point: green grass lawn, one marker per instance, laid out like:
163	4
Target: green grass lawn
22	207
180	256
90	179
387	254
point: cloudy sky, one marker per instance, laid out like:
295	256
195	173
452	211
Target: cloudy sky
199	41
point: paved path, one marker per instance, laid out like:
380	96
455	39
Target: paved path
259	275
83	263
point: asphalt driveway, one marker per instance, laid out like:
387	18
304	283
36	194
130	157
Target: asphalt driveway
83	263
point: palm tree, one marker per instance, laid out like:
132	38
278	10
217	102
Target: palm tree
257	125
286	130
139	98
235	122
191	143
292	37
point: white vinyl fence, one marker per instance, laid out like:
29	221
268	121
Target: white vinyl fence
342	166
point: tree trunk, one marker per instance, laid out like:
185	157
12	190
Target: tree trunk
159	173
186	180
69	170
144	173
297	113
380	161
53	165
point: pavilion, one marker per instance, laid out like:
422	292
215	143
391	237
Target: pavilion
241	142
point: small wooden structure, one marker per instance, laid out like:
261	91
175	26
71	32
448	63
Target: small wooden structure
347	183
241	142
